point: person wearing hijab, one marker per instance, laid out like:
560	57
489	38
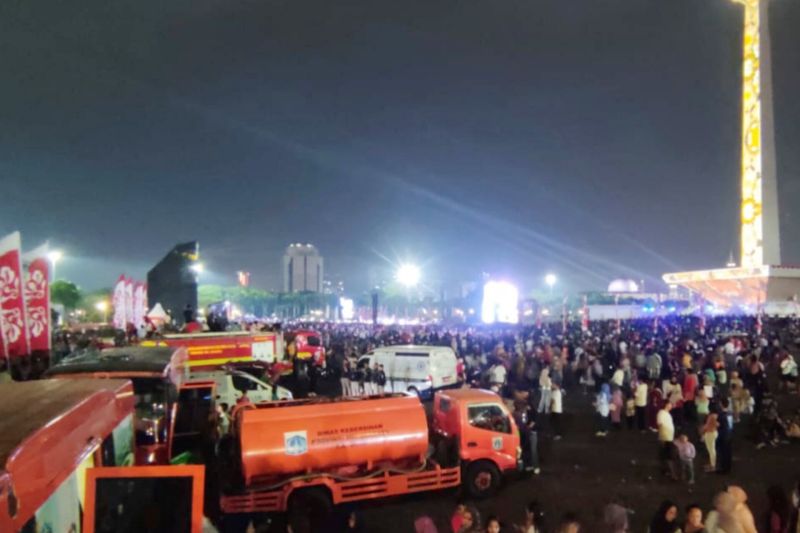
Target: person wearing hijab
741	511
665	519
470	521
424	524
615	519
722	519
779	513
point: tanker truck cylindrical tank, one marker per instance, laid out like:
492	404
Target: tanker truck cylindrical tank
315	436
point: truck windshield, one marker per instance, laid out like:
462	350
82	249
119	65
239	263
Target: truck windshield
313	341
490	417
151	410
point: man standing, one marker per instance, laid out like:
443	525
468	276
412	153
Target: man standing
524	417
344	379
666	434
724	439
640	403
380	378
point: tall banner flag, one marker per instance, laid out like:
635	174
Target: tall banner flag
37	297
129	312
655	325
139	303
120	309
564	316
12	298
616	312
585	316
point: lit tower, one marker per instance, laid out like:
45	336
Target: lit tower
759	278
760	230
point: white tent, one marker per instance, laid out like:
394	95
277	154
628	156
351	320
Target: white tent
157	314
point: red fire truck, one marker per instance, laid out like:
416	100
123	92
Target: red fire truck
64	450
210	351
160	387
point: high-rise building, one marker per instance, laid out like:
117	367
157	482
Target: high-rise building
302	269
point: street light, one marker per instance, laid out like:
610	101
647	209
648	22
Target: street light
408	275
550	279
54	257
102	306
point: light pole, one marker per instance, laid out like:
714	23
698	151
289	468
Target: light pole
54	257
550	279
408	275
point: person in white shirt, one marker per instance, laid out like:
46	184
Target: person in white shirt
556	408
640	403
497	376
666	434
546	389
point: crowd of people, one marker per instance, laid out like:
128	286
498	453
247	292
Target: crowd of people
689	381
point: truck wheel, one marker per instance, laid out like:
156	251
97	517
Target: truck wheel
413	390
482	480
310	510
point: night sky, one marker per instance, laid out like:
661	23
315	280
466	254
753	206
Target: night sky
597	139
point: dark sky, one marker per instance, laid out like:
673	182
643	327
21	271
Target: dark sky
598	139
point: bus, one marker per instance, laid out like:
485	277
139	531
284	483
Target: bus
159	375
66	449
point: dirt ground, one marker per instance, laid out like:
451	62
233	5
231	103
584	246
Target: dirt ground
581	473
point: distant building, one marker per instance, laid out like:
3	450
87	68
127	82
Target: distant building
333	287
302	269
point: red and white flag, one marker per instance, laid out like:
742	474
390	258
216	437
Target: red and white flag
129	312
37	297
139	303
759	323
12	299
120	309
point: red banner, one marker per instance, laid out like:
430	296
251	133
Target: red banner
12	299
37	299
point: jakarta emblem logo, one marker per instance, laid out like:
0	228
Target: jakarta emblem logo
295	442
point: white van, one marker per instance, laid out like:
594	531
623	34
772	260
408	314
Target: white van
231	384
416	369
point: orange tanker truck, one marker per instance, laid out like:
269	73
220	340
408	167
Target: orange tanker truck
302	456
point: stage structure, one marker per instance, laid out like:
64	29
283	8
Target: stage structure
173	281
758	279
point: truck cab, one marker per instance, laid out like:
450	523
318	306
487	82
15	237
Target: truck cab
308	346
476	426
